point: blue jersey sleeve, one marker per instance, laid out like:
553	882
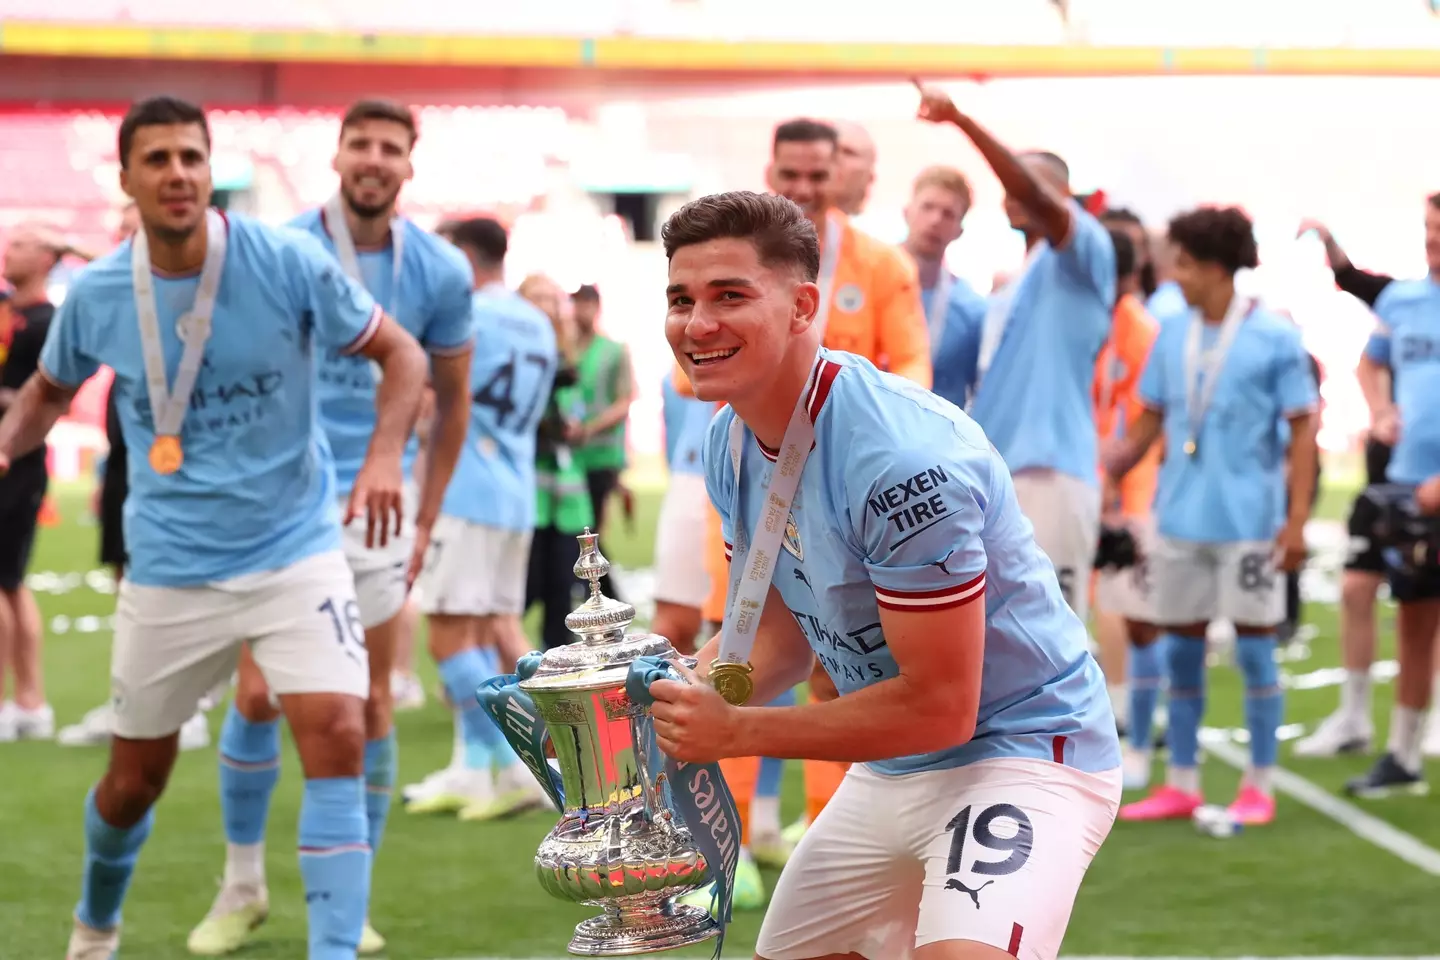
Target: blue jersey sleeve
452	326
720	474
1377	348
918	514
958	358
1152	378
343	314
1294	380
1089	254
65	360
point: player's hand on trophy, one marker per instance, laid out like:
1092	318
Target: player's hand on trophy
935	105
378	495
1427	496
692	722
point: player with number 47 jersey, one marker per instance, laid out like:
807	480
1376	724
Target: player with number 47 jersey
473	583
1230	389
873	525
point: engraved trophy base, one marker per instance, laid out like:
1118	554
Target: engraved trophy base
627	931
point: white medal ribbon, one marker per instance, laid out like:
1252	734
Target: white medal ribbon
350	260
829	260
939	302
167	406
752	566
999	314
1203	371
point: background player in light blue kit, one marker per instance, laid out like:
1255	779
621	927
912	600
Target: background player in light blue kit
1221	385
230	521
425	285
473	584
967	694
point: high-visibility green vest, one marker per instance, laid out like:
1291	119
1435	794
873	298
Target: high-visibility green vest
602	370
562	497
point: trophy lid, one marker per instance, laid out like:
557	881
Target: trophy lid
602	656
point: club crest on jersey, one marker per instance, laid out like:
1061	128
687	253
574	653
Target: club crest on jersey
792	539
850	298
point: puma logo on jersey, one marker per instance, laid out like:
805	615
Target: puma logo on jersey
953	884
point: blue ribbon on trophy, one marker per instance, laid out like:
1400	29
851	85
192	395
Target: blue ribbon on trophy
515	714
701	797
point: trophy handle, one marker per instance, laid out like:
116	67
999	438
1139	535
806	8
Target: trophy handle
512	710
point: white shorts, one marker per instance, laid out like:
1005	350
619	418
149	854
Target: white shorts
680	576
1130	592
1199	582
174	644
473	570
380	571
1065	512
992	852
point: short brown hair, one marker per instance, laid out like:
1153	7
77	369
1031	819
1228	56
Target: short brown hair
946	178
362	110
783	236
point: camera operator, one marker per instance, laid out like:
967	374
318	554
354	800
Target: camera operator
1350	728
1399	374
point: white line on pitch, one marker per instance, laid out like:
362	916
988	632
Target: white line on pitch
1349	816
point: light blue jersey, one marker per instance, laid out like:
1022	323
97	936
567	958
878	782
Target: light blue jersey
1233	489
434	305
686	421
256	490
1407	340
1167	302
1034	400
905	505
511	376
959	348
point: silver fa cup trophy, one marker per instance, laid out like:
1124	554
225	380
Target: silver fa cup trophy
621	843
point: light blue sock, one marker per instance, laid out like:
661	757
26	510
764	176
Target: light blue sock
1187	698
110	855
381	763
249	770
462	675
1147	678
335	865
1264	700
501	752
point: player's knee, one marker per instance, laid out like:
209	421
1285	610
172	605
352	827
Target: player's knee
329	734
129	792
1357	591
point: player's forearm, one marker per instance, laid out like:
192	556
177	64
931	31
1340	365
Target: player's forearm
442	450
1141	436
1034	195
1304	453
34	410
1374	380
899	717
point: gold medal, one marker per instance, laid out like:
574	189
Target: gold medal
1190	448
166	454
732	681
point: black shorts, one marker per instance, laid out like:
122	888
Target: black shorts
1377	461
22	491
1365	556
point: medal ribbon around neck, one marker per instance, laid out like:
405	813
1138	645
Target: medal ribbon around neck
168	406
349	259
753	565
939	301
1202	372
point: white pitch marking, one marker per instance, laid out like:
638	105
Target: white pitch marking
1352	818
